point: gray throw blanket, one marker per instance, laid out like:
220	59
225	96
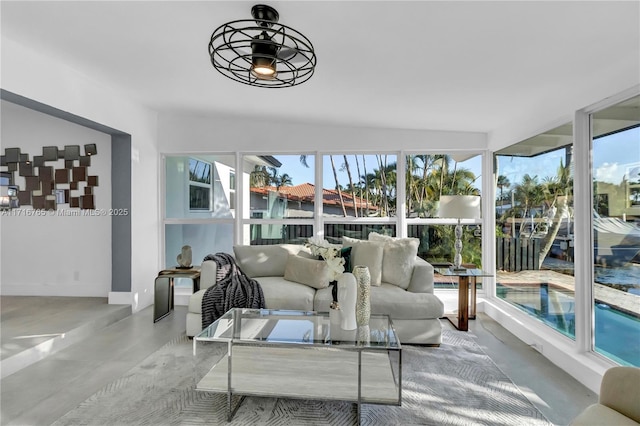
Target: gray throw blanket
233	289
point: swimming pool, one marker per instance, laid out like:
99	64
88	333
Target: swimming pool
617	334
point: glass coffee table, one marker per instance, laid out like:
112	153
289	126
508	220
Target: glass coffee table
298	354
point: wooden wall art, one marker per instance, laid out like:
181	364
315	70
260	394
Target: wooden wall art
58	176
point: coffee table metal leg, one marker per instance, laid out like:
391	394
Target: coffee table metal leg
231	410
359	385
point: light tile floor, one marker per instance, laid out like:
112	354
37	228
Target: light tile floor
41	393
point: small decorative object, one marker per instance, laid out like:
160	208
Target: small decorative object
184	258
347	294
330	253
363	305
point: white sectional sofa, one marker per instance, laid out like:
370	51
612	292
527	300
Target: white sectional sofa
292	278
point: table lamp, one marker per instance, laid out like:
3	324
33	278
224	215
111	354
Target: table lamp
459	207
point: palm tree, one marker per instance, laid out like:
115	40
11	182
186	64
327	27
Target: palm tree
259	177
353	190
366	182
335	177
558	190
360	185
529	193
281	180
503	182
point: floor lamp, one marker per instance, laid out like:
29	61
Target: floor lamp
459	207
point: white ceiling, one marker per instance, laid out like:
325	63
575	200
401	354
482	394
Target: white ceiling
419	65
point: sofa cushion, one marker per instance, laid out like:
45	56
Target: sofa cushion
311	272
345	253
598	415
266	261
322	299
367	253
391	300
282	294
398	258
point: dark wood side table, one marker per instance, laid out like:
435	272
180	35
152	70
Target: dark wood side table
164	291
466	304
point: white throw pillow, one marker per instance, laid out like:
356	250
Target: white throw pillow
367	253
399	258
311	272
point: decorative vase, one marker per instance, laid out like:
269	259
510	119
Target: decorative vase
364	335
347	294
363	305
184	258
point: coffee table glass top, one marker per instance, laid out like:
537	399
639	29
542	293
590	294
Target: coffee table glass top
449	272
268	326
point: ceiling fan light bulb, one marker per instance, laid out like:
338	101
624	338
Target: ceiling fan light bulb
264	71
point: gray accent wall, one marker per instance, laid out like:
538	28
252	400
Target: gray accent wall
121	202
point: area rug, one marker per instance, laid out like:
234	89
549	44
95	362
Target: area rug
454	384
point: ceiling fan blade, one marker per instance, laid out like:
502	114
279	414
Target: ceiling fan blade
291	54
288	54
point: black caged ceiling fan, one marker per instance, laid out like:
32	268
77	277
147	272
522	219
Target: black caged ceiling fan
262	52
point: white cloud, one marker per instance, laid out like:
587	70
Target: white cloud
609	172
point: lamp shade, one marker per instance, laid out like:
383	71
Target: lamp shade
459	207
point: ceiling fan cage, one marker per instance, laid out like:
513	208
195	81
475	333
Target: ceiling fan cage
235	46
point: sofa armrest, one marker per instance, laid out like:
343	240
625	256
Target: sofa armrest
422	277
619	391
208	270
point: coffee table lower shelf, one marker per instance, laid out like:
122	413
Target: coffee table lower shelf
305	373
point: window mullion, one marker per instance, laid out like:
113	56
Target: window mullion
583	252
401	196
318	223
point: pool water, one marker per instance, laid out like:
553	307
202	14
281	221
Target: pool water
617	334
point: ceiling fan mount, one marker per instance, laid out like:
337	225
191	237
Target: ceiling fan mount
264	15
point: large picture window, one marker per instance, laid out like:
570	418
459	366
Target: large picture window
534	228
428	177
359	186
199	197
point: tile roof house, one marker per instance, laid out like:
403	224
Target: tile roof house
300	200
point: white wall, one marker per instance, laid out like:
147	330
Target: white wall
44	79
56	254
185	133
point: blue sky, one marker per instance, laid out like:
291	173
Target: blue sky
300	174
613	155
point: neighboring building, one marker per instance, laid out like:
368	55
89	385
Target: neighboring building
298	201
